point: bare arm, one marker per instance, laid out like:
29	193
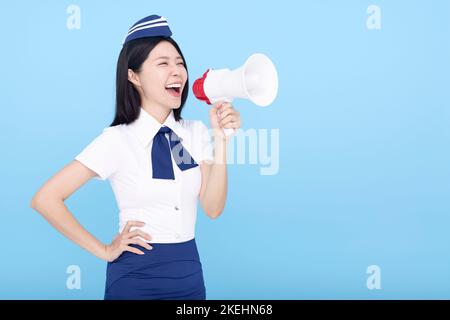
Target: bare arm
213	192
49	202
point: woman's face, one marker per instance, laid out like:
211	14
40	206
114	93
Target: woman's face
162	77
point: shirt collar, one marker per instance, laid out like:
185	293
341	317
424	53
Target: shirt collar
146	126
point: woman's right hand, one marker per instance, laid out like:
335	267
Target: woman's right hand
122	241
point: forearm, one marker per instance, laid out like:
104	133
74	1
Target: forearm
216	190
57	214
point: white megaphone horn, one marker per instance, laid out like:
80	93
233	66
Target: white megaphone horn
256	80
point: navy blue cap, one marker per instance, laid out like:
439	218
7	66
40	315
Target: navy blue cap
151	26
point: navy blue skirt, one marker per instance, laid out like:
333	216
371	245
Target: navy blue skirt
170	271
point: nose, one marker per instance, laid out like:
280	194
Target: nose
175	71
175	74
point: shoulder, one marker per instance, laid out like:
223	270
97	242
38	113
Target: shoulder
114	132
103	153
110	136
117	129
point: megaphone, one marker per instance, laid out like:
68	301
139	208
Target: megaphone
256	80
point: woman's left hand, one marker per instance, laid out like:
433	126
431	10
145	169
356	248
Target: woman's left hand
223	115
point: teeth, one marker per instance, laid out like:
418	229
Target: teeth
174	85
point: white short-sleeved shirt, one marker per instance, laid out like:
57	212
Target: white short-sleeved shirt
122	154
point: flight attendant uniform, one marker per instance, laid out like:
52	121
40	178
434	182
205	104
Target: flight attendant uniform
125	155
155	176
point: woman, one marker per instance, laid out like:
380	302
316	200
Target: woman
159	166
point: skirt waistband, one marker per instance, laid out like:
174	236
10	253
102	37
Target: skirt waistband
161	252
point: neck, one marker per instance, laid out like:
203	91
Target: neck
158	112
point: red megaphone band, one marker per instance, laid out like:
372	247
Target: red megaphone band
198	89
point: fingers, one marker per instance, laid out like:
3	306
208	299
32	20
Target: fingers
140	242
134	250
222	114
234	125
220	104
131	224
228	119
227	116
136	233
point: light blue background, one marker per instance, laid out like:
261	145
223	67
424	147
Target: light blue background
364	145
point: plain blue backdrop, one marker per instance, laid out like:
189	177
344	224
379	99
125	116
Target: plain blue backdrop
364	165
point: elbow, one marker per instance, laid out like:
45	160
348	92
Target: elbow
34	204
214	213
39	200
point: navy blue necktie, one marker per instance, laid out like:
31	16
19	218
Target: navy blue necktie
161	159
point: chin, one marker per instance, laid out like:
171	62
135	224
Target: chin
170	105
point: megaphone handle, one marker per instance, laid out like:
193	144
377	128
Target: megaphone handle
228	131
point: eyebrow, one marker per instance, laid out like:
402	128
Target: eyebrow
166	57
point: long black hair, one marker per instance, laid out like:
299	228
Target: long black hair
132	56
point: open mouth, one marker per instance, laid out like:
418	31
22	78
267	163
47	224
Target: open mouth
174	89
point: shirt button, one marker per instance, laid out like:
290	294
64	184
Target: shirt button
177	235
177	208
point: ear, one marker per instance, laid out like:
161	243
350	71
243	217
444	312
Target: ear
133	78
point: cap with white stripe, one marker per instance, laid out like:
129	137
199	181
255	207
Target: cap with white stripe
151	26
